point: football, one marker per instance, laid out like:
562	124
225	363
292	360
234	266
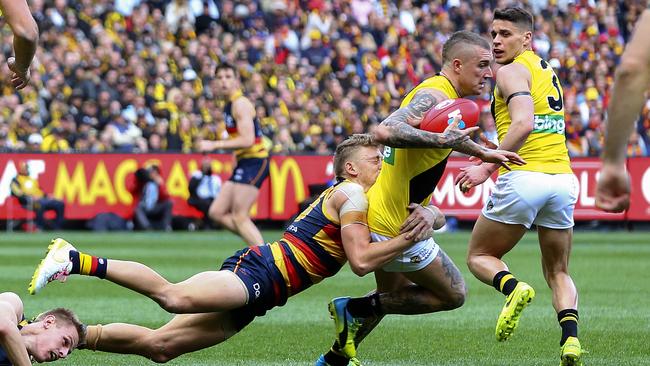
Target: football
440	116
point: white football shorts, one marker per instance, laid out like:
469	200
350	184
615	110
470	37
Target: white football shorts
527	198
414	258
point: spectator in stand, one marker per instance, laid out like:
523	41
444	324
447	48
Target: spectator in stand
30	195
121	133
153	208
142	54
204	187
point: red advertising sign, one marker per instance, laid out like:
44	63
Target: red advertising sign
639	169
94	183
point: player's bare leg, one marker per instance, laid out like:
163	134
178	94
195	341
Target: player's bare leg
556	248
221	207
204	292
183	334
245	196
490	241
438	286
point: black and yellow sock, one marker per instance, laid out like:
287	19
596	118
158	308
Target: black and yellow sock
366	306
334	358
88	265
568	319
505	282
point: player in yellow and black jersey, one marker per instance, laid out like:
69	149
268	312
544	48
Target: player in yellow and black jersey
528	110
422	279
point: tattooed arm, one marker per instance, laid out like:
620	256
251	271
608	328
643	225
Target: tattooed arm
400	130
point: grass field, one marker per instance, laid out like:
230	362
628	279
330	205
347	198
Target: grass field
610	270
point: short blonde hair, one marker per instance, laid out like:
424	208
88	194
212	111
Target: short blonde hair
65	317
347	148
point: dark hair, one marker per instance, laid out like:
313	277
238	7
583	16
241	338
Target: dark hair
346	148
65	317
142	176
460	39
226	66
518	16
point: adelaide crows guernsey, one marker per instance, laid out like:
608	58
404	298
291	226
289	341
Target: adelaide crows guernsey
407	175
311	248
258	150
545	148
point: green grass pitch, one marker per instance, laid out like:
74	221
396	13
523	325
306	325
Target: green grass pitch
610	270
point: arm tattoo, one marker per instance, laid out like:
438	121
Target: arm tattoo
469	147
403	134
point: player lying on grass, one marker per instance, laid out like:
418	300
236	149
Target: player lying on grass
214	305
51	336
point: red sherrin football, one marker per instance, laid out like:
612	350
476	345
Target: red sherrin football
439	117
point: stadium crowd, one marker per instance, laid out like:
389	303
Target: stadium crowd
138	75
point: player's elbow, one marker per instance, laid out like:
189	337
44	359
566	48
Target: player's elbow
360	268
27	31
632	68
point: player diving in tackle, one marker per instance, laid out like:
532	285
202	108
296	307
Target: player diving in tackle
214	305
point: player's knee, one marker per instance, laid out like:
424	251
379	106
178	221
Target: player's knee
216	214
240	216
631	67
162	353
456	298
472	261
172	301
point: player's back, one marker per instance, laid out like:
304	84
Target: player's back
545	149
311	248
407	175
258	150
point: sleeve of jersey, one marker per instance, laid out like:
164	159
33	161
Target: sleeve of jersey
355	209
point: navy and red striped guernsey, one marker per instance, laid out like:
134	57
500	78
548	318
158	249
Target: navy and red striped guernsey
311	248
258	150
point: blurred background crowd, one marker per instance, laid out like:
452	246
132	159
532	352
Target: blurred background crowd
137	75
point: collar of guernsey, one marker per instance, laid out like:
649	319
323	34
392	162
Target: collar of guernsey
259	148
545	148
407	175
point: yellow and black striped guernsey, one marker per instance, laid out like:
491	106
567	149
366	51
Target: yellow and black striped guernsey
389	197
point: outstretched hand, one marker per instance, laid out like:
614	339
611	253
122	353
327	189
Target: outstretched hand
454	135
19	78
502	157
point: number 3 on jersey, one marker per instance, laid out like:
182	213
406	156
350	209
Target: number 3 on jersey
554	104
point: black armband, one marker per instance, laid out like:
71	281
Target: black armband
516	94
